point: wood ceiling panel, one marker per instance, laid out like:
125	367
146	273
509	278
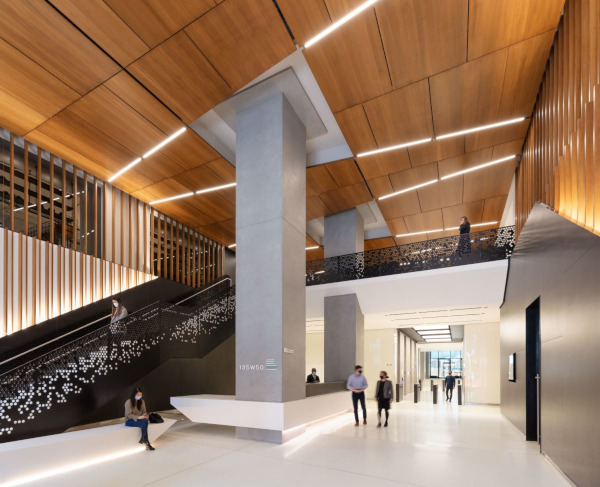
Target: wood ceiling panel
221	231
319	180
519	92
141	100
400	206
495	25
422	37
190	150
242	39
507	149
493	208
402	115
489	138
436	151
155	20
397	226
316	208
16	116
468	95
115	118
179	74
158	167
199	178
439	195
380	186
384	163
213	205
354	125
132	180
452	214
185	213
412	177
31	84
379	243
408	240
347	197
344	172
350	64
492	181
306	18
157	191
105	27
224	169
465	161
315	254
421	222
310	242
43	35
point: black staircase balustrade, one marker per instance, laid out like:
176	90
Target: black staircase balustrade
456	250
31	387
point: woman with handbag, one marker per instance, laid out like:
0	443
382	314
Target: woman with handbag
136	415
384	393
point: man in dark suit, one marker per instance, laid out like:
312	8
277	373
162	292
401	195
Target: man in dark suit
313	377
449	382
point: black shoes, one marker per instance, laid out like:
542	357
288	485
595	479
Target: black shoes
379	425
149	447
385	425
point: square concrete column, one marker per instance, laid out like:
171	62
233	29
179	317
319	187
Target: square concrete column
270	255
344	321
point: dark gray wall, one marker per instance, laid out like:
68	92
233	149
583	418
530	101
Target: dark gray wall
560	262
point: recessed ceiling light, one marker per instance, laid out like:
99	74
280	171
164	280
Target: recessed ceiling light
394	147
408	189
171	198
476	168
312	248
215	188
232	246
438	340
419	233
433	337
125	169
475	225
431	327
339	23
433	332
482	127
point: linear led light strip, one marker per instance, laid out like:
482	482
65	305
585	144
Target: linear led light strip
232	246
191	193
339	23
147	154
445	136
448	176
444	229
46	202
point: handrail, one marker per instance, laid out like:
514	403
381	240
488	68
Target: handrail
100	319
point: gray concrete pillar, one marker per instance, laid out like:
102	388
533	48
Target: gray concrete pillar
270	255
344	233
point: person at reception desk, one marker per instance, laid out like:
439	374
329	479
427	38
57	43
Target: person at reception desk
136	415
449	383
384	393
313	377
357	383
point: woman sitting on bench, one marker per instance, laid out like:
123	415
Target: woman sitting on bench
136	415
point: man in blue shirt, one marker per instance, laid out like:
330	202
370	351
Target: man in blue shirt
357	383
449	382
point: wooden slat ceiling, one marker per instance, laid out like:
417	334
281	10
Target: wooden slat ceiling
102	81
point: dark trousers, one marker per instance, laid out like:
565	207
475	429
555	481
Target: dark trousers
359	396
139	423
449	391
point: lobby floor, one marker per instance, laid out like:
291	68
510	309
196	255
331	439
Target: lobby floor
424	445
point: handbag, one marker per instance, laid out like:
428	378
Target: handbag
155	418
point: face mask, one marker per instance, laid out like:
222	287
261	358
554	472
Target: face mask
115	304
359	372
381	377
314	373
138	397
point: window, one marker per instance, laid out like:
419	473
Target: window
441	361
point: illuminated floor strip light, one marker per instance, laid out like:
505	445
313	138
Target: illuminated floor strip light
339	23
444	229
409	189
441	137
71	468
476	168
147	154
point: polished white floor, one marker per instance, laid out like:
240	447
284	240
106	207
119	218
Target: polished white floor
425	445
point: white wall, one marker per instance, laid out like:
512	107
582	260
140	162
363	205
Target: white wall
508	215
315	353
481	363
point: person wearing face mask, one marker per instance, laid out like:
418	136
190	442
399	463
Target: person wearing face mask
384	393
357	383
119	311
313	377
136	415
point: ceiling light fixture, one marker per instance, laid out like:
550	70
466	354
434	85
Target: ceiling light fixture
339	23
433	332
147	154
438	340
434	337
216	188
476	168
312	248
408	189
394	147
429	327
446	229
419	233
475	225
482	127
171	198
232	246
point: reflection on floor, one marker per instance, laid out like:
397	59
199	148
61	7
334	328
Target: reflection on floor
424	445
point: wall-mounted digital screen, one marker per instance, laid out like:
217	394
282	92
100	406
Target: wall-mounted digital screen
512	370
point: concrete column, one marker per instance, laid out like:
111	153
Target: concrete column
344	321
270	256
344	336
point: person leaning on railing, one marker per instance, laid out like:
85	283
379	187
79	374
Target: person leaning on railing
464	242
118	313
136	415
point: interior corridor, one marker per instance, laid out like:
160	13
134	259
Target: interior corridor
424	445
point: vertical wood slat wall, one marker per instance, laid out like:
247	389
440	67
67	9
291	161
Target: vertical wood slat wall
560	165
42	279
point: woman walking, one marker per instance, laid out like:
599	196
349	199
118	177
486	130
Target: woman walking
384	393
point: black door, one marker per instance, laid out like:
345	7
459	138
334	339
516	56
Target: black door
533	370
